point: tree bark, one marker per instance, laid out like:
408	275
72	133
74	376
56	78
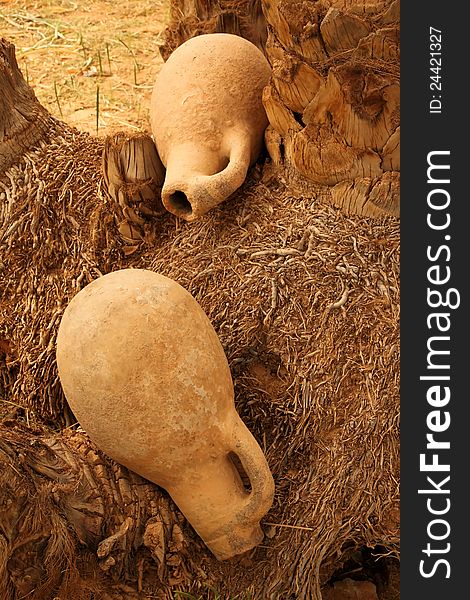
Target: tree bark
189	18
74	523
23	121
333	100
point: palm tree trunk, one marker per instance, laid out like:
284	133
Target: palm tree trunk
333	100
23	121
73	523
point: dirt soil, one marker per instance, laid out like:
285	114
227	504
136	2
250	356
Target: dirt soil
92	63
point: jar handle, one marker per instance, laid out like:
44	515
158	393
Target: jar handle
255	465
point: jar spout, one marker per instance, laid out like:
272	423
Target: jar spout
192	188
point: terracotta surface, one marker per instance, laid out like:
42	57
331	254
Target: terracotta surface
147	378
208	120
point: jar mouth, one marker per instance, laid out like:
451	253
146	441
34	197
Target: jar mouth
177	202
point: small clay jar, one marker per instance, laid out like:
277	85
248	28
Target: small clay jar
147	378
208	120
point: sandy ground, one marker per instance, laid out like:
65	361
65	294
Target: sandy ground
91	63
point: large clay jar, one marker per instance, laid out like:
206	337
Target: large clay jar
147	378
208	119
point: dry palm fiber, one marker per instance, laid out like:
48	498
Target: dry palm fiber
78	526
306	303
197	17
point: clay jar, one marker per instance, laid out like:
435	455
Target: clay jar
147	378
208	120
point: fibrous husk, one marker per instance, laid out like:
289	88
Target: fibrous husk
189	18
76	525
